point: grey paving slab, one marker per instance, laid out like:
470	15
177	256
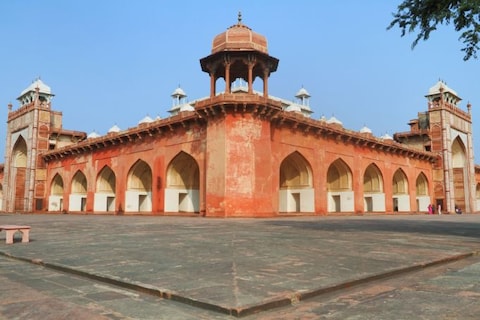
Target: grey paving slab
227	265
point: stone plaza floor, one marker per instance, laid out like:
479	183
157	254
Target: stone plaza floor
156	267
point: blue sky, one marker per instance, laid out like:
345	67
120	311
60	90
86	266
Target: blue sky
113	62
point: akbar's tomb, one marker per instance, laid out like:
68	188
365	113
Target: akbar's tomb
238	153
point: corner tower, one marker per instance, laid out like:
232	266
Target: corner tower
27	137
32	129
446	130
451	139
238	147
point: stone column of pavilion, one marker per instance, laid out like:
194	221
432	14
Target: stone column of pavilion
238	178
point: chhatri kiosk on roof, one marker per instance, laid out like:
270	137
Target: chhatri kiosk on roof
239	153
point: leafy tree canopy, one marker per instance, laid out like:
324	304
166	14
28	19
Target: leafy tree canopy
426	15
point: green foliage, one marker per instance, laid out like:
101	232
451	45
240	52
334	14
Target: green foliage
426	15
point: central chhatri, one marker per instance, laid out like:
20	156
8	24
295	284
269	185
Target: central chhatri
239	37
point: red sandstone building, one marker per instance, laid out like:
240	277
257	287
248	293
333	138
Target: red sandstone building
238	153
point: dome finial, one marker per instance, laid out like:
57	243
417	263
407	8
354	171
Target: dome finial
239	17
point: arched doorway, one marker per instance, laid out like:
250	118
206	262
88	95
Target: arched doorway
296	185
401	198
55	200
19	154
1	197
373	195
339	187
423	199
138	196
104	198
477	197
183	181
78	197
459	161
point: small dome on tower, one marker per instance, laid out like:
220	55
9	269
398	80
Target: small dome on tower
186	107
239	37
179	93
386	136
43	88
365	129
147	119
294	107
93	135
114	129
334	120
436	89
302	93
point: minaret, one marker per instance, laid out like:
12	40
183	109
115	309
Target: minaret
451	138
28	130
238	127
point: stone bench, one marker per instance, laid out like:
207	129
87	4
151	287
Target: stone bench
11	229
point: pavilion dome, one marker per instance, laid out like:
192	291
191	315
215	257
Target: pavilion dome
302	93
43	88
436	89
239	37
179	92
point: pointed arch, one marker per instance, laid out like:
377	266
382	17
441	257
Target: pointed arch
373	195
372	179
183	172
56	187
105	188
401	197
459	158
78	194
339	186
140	177
477	197
400	182
422	192
55	199
1	197
295	172
19	153
106	181
79	183
182	184
460	178
19	164
138	197
421	185
339	176
296	193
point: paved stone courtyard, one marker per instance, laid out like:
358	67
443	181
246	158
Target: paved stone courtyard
139	267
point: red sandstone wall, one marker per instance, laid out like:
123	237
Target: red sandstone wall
156	151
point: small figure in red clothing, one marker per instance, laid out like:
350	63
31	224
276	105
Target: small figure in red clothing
430	209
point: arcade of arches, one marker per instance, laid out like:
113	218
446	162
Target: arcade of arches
296	190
